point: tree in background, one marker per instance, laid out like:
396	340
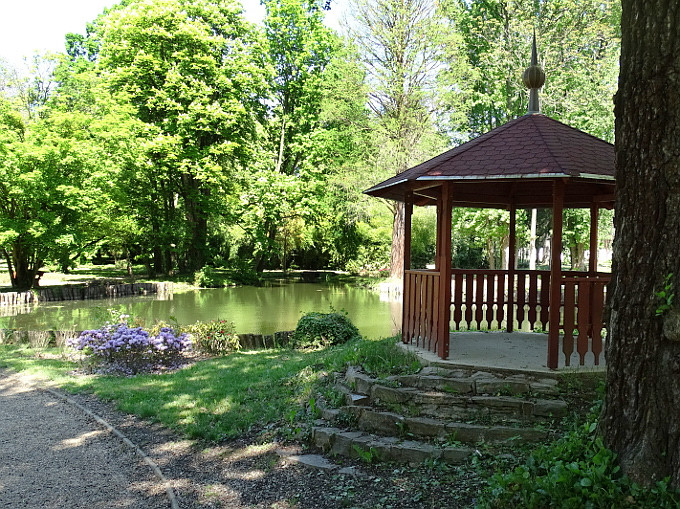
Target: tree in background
578	43
187	68
640	419
57	173
400	43
280	192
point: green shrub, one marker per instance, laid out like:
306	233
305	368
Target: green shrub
207	277
324	329
575	471
379	358
216	337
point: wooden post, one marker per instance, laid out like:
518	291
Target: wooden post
444	264
592	265
408	212
438	246
555	275
512	248
406	293
592	262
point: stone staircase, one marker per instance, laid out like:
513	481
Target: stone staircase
439	413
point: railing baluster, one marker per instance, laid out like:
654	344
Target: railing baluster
545	299
569	309
500	300
533	298
428	310
405	319
490	286
521	298
457	300
414	307
435	315
596	318
479	299
583	320
469	296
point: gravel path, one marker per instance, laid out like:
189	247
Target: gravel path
53	456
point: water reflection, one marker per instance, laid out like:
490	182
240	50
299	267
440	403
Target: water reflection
254	310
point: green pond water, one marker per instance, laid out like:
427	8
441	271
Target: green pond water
261	310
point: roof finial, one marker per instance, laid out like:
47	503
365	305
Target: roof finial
534	78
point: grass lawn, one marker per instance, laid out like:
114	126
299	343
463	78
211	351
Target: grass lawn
224	397
89	272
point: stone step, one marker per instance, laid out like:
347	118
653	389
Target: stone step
369	447
390	423
456	406
459	382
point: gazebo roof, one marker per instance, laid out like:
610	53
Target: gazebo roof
515	163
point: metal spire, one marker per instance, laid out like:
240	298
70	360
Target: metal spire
534	78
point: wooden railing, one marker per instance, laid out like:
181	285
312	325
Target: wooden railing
583	301
482	299
421	305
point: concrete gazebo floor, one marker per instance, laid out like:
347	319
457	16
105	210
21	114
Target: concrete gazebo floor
516	351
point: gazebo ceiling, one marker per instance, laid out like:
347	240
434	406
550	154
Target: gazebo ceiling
515	163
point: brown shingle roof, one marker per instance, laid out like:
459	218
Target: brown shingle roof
533	147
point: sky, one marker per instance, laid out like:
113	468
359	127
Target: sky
27	26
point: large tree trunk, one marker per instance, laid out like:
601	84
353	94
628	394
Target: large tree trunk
197	223
24	266
578	257
641	416
397	254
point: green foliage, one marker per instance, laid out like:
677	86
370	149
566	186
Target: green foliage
58	172
578	45
666	295
324	329
373	253
217	337
190	69
366	455
423	238
207	277
575	471
380	358
176	135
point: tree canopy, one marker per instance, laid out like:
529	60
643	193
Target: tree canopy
175	134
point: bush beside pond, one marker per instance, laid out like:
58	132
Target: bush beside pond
324	329
216	337
209	277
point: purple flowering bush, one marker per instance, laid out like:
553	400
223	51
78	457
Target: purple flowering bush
130	350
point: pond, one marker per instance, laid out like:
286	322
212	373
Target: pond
256	310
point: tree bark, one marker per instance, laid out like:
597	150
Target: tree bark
641	415
397	254
24	266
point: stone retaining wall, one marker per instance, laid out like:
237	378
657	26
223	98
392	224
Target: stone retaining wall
36	338
257	341
72	292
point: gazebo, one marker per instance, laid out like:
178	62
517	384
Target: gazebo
530	162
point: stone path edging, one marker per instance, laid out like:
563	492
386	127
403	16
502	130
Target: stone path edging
154	467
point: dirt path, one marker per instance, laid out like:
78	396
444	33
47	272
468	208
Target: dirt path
53	456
